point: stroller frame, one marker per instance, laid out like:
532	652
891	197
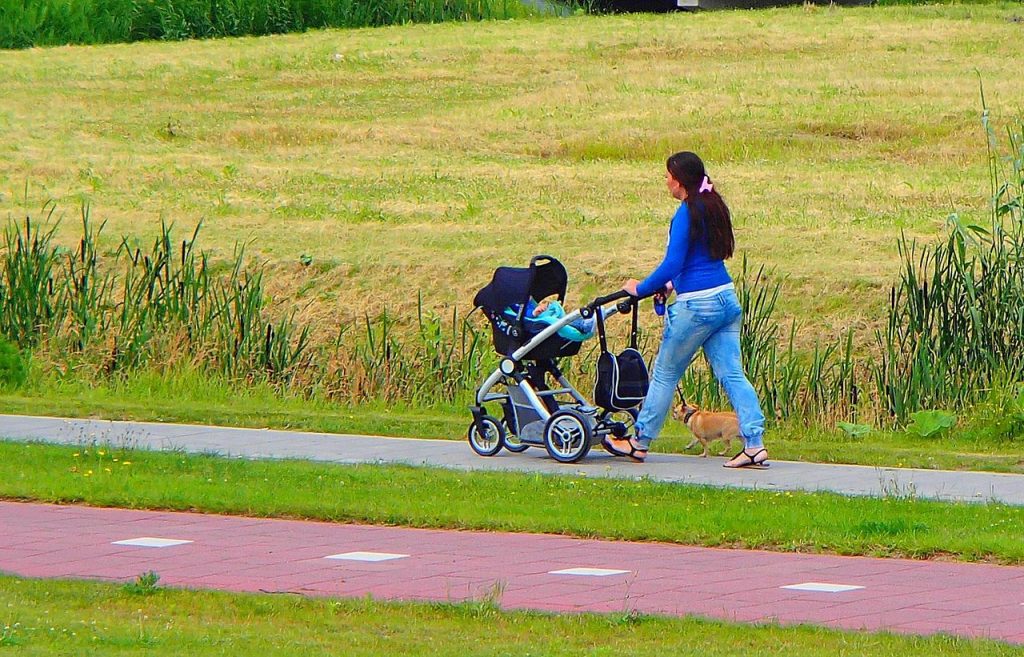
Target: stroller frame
560	419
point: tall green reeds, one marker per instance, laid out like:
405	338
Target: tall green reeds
27	23
162	304
141	307
956	316
439	359
28	304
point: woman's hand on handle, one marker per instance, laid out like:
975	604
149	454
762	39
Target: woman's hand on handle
630	286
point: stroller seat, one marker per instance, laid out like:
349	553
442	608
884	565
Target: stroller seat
514	288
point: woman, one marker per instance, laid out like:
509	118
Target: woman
706	314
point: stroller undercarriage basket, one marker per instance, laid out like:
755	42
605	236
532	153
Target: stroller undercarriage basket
533	414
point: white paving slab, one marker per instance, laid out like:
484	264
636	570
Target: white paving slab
366	556
149	541
588	572
821	587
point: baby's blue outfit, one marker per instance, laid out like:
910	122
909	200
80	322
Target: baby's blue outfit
577	331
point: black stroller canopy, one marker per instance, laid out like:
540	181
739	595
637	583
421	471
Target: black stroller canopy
515	285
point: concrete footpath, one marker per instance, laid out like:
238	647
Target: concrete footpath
335	448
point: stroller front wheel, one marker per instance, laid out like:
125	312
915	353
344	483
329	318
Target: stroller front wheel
486	436
567	436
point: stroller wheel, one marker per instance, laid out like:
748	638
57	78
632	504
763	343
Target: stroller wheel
486	436
567	436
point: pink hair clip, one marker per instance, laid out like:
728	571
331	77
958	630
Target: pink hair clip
705	185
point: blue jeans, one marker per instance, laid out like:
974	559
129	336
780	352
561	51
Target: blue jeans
714	324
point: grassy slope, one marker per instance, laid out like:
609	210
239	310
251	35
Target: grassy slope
897	525
79	618
422	156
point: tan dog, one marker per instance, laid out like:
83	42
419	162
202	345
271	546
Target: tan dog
706	426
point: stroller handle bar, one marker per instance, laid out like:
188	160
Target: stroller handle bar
614	296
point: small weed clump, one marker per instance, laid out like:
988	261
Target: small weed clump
9	635
144	584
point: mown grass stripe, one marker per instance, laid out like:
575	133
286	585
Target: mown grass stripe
51	617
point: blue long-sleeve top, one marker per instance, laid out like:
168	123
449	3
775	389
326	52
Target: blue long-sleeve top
688	265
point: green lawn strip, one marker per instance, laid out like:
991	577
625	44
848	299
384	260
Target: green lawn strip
572	505
47	617
252	412
147	397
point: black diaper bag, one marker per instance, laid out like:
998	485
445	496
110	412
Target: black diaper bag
622	380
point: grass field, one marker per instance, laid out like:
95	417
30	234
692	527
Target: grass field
896	525
362	166
85	618
419	157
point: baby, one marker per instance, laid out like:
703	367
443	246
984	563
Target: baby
539	316
554	310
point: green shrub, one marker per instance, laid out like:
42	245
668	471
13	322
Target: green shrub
13	371
930	423
145	584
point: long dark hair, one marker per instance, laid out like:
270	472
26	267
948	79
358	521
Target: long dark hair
709	215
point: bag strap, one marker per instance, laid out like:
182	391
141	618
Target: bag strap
599	316
634	306
635	309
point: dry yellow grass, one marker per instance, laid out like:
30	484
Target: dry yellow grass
420	157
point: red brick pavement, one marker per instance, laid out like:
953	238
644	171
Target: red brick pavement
247	554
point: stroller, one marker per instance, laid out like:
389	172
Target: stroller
533	414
